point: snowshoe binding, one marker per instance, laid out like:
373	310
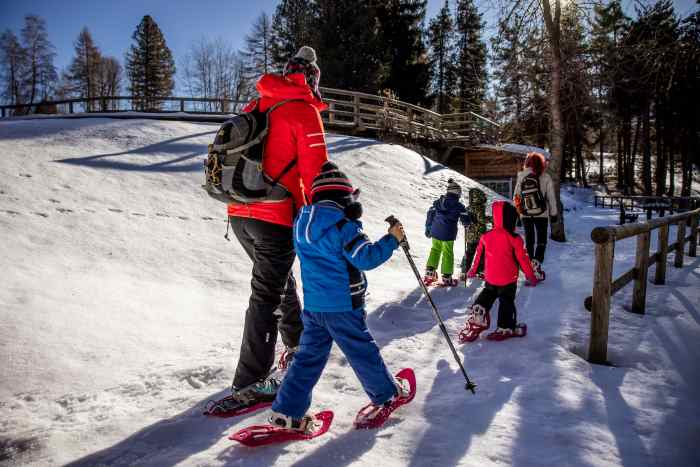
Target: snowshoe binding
254	397
478	321
430	277
374	416
286	358
539	272
502	334
448	281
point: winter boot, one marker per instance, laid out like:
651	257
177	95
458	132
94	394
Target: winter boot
502	334
539	272
304	424
286	357
263	391
374	415
430	276
448	281
478	321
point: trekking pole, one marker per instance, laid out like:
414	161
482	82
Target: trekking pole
470	386
466	266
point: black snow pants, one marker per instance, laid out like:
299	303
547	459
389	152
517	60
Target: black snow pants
506	303
536	236
273	304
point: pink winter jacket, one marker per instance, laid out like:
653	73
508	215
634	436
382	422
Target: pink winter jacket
504	249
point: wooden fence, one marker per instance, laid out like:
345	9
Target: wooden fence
631	206
353	111
603	284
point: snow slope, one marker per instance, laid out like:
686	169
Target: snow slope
121	311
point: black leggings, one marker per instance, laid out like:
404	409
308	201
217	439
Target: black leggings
536	236
506	303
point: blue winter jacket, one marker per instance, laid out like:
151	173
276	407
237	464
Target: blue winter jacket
333	252
441	222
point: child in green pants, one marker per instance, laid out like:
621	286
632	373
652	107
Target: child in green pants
441	226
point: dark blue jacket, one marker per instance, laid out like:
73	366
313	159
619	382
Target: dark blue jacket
333	252
441	223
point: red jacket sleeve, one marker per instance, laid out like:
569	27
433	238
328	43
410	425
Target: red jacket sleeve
523	259
477	257
311	147
250	106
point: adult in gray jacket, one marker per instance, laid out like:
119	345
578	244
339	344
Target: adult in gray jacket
536	203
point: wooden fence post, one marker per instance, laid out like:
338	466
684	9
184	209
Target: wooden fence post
693	246
641	268
331	113
356	111
70	107
182	105
661	257
680	244
600	307
3	112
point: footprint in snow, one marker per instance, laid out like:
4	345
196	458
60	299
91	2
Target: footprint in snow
12	213
55	201
183	218
114	210
25	175
139	214
42	214
64	210
162	214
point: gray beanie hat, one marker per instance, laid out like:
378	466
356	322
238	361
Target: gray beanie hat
307	53
453	187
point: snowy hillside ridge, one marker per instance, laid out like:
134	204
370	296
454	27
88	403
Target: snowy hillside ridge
121	313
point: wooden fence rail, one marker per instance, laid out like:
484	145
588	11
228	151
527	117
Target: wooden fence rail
603	284
349	110
648	204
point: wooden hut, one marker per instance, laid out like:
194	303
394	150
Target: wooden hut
494	166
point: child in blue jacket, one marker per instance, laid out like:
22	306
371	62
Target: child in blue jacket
441	226
333	252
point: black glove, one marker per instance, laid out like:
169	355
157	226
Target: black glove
553	219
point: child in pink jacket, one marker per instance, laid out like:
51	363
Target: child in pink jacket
505	254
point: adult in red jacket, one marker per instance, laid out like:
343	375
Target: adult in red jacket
503	250
295	144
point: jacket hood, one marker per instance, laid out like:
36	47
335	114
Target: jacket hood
274	88
314	221
504	216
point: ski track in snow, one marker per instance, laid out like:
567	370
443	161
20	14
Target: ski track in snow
122	308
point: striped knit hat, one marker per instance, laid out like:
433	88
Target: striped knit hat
305	62
453	187
331	184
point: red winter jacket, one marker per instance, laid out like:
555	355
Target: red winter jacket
295	132
504	249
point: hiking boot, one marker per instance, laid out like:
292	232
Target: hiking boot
448	281
262	391
478	321
539	272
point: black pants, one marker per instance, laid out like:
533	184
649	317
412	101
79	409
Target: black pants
536	236
506	303
273	304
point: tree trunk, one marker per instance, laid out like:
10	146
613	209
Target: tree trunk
633	158
620	158
554	28
646	142
601	177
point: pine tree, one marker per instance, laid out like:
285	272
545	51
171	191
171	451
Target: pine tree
257	54
12	65
41	74
470	56
150	66
347	44
292	27
406	71
83	70
108	82
441	39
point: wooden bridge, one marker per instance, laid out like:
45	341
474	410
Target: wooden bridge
348	112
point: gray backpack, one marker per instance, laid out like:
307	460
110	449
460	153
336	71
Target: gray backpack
233	170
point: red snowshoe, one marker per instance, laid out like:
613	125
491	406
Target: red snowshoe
260	435
478	321
539	272
448	281
430	277
374	416
502	334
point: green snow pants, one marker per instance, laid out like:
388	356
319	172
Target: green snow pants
444	249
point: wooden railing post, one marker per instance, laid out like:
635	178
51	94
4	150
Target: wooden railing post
182	105
641	267
660	277
70	107
331	113
680	244
693	246
600	306
356	111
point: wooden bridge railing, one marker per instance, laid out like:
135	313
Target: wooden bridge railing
648	204
355	111
603	284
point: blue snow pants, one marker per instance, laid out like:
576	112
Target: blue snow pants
349	330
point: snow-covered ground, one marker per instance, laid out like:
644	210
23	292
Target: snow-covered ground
121	311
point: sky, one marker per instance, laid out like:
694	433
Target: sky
183	22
